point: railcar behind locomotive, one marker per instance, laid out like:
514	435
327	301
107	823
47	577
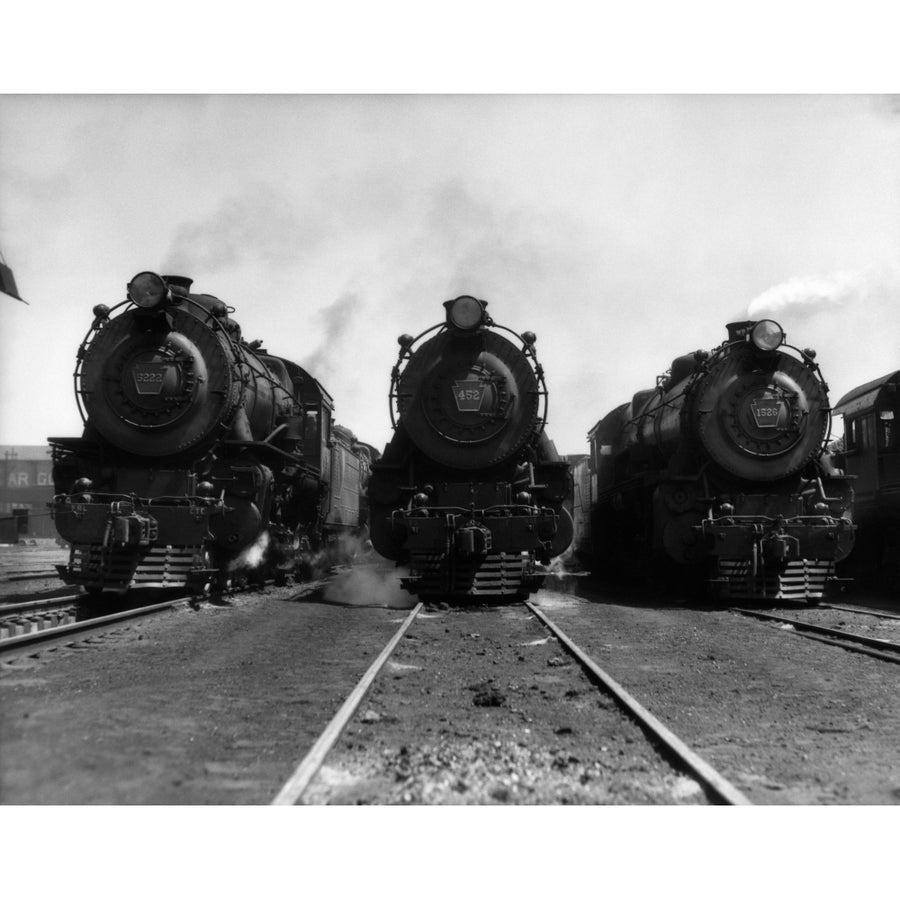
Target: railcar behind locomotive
469	492
717	475
871	456
203	457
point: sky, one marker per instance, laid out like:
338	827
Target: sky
625	230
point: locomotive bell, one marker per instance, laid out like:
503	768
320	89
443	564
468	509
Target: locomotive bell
101	315
206	489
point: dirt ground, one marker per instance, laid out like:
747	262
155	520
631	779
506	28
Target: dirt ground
215	705
787	720
478	706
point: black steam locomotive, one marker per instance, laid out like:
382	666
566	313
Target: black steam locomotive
203	457
717	475
871	456
469	492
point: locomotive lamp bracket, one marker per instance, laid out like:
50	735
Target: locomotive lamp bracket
467	315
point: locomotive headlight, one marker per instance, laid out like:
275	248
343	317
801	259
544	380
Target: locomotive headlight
767	335
465	313
147	290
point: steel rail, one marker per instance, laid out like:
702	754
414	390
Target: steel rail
293	789
28	576
846	640
7	609
863	611
716	785
62	631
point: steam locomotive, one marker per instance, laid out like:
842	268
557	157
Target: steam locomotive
717	476
469	492
203	458
871	456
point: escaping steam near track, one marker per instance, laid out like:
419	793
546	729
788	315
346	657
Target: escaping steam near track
252	557
366	585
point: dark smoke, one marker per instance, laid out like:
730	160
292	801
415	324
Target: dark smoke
475	242
259	224
339	319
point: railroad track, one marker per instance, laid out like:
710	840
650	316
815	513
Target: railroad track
27	576
54	619
717	788
62	634
37	615
860	610
879	648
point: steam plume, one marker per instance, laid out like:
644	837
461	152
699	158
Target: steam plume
811	294
251	557
367	585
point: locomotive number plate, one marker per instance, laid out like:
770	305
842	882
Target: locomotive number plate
768	413
149	377
469	395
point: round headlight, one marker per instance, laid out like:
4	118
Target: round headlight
767	335
147	290
465	313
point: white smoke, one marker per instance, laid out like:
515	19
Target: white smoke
251	557
369	585
812	294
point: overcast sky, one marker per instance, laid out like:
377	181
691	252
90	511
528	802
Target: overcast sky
623	230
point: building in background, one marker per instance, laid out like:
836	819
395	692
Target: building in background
26	487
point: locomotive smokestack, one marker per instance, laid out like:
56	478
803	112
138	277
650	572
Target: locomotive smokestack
181	281
738	330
